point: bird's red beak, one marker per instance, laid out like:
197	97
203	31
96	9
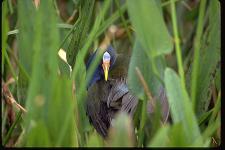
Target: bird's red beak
105	66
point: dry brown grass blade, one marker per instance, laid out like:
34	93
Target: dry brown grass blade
36	3
7	95
145	86
147	90
10	81
114	32
72	17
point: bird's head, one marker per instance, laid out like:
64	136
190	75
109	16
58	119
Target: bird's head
106	64
108	60
103	69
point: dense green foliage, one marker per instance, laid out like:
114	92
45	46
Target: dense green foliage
174	44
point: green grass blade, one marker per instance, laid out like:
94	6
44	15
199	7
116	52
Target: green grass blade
94	140
147	19
212	128
161	135
203	118
180	107
122	133
18	118
141	60
26	15
216	108
110	20
81	31
10	6
142	122
197	44
9	64
5	29
34	139
210	59
65	120
177	43
123	21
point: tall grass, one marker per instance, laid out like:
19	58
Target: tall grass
54	96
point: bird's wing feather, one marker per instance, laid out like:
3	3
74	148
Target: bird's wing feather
96	109
163	102
129	103
121	98
118	90
96	120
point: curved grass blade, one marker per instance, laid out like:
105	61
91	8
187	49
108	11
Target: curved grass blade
147	19
181	108
26	15
81	31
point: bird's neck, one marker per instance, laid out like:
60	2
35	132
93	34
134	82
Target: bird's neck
98	75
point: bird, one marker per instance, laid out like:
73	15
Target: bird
106	96
109	94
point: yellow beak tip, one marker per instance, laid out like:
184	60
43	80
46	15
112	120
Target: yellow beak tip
106	77
106	70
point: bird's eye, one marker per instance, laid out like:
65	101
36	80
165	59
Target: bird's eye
106	57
